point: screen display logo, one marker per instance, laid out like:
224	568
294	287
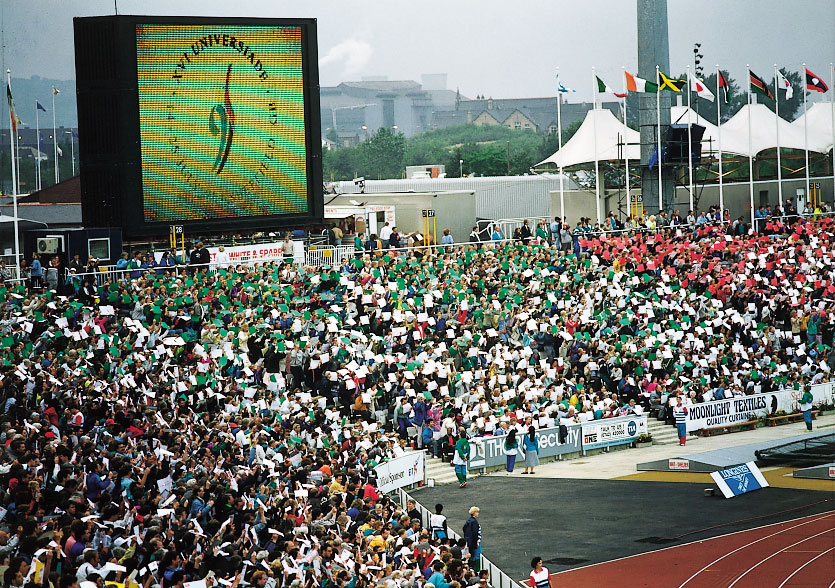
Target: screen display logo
222	121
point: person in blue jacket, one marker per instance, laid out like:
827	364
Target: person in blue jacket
530	444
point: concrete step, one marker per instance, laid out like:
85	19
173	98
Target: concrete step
440	471
663	434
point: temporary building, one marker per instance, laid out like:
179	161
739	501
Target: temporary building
819	117
611	134
763	127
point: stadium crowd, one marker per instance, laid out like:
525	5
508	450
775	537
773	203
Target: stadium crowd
181	425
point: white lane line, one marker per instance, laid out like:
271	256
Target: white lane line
752	543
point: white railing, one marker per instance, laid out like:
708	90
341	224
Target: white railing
497	578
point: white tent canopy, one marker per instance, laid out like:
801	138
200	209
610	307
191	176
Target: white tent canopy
820	126
763	132
610	131
580	148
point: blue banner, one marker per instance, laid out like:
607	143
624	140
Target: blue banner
739	479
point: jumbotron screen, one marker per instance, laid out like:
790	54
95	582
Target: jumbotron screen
221	121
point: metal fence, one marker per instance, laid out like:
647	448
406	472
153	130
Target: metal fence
497	578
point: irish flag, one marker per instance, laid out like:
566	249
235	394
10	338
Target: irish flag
604	87
636	84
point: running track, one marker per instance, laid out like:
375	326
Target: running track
792	554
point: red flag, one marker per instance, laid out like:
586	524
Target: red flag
722	84
814	83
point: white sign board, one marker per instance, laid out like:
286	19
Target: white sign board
401	471
614	431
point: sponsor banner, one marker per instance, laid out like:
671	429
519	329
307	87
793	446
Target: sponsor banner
614	431
254	253
739	409
489	451
401	471
739	479
679	464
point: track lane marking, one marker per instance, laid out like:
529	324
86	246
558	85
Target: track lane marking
820	518
776	553
804	565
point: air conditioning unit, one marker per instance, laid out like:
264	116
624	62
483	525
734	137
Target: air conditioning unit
48	244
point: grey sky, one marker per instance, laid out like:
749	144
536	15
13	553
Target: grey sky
500	49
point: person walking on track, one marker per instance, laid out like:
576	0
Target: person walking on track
462	455
472	533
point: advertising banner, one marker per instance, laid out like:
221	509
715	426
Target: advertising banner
253	253
739	479
739	409
616	431
401	471
489	451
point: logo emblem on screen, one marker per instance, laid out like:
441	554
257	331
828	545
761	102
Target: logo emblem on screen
216	108
222	122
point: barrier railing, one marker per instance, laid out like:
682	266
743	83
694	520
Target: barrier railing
497	577
336	255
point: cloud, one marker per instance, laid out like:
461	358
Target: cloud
352	54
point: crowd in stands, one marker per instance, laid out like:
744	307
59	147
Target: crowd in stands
176	425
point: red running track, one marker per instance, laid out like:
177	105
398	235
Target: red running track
793	554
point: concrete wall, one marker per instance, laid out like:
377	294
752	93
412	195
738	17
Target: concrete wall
453	210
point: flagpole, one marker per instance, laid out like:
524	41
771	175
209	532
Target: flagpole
806	135
55	136
689	141
594	128
719	140
559	143
658	122
12	136
626	140
38	155
777	125
832	120
17	159
750	155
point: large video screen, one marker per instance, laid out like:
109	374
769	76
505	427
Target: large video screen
221	120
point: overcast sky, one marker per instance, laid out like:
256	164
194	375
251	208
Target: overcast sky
497	48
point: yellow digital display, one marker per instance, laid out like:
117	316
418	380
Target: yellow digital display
221	120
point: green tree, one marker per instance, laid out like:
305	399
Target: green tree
341	164
737	98
789	109
382	155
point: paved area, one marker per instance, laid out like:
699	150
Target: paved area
598	508
618	463
571	523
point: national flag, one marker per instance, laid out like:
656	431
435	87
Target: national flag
604	87
12	113
671	84
758	85
814	83
698	86
60	151
562	89
722	84
636	84
784	84
39	106
55	90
